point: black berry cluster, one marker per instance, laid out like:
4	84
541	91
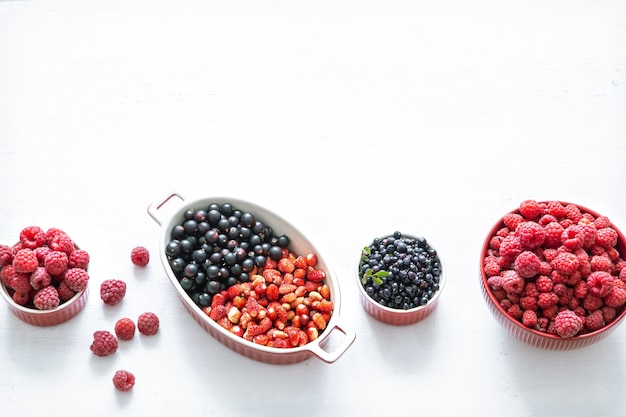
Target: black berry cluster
218	246
400	272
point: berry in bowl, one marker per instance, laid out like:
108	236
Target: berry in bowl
251	279
553	274
43	277
400	278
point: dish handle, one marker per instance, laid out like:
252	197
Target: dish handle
332	356
156	206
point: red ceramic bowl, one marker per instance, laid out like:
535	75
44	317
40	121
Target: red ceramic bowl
58	315
534	337
395	316
299	244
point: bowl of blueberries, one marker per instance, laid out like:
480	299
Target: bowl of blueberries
400	278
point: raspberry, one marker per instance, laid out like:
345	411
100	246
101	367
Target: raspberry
553	232
104	343
56	262
600	283
6	255
567	324
591	302
46	298
21	298
510	247
65	292
528	303
530	289
594	320
573	213
77	279
125	328
581	289
544	284
41	252
123	380
61	242
606	237
602	222
512	282
32	237
112	291
7	273
79	258
527	264
547	299
556	209
492	269
140	256
601	263
572	237
588	234
615	298
531	235
529	209
21	283
512	220
529	318
495	282
148	323
546	219
565	263
25	261
40	278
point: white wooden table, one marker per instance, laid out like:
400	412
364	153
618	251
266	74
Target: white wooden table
349	119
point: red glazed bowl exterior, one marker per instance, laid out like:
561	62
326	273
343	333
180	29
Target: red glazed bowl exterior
298	243
531	336
395	316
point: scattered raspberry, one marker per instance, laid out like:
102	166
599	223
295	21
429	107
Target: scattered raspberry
40	278
140	256
56	262
600	283
104	343
529	209
125	328
123	380
32	237
527	264
148	323
79	258
567	324
25	261
112	291
6	255
77	279
46	298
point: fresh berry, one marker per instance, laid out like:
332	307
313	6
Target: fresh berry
600	283
545	284
7	273
568	324
6	255
32	237
565	263
140	256
529	209
531	235
123	380
21	283
556	209
529	318
594	320
607	237
25	261
572	237
125	328
104	343
512	282
553	232
112	291
41	252
77	279
21	298
40	278
616	298
61	242
510	247
527	264
512	220
573	213
56	262
79	258
65	292
46	298
148	323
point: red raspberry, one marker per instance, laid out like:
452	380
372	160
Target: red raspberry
316	275
529	209
601	263
61	242
530	289
588	234
25	261
546	219
556	209
544	283
65	292
512	282
104	343
79	258
568	324
515	311
594	320
40	278
609	313
529	318
492	269
41	252
606	237
572	237
615	298
77	279
148	323
510	247
123	380
600	283
573	213
591	302
602	222
6	255
494	282
531	235
565	263
125	328
527	264
21	283
512	220
32	237
7	273
547	299
112	291
528	302
56	262
553	232
140	256
581	289
21	298
542	324
46	298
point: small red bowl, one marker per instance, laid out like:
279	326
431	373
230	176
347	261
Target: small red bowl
534	337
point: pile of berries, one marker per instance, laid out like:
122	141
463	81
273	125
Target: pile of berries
44	269
400	272
556	268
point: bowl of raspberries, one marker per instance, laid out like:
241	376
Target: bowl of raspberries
553	274
400	278
43	277
251	279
